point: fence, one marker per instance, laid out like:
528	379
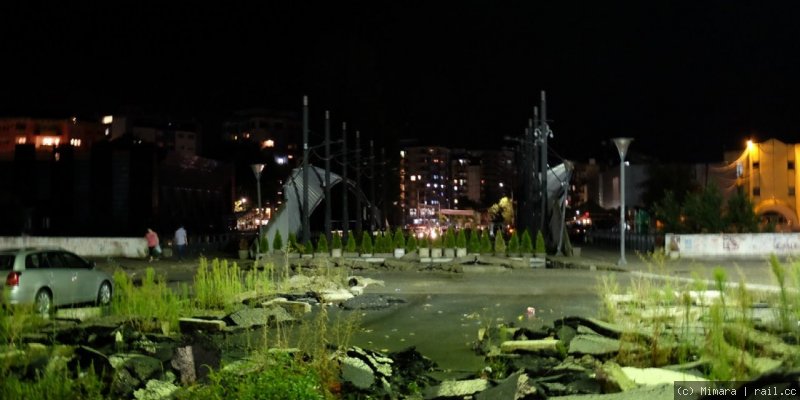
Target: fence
641	242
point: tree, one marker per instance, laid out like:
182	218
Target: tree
513	244
461	240
411	244
540	246
366	243
351	242
436	242
486	245
336	241
499	244
322	244
399	239
668	210
663	178
450	239
264	244
740	216
503	211
527	245
703	210
277	241
474	242
293	242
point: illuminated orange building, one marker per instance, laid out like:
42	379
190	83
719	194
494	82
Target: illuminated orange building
46	135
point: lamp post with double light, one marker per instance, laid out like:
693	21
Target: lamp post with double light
257	169
622	147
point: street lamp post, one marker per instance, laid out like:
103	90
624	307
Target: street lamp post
257	169
622	147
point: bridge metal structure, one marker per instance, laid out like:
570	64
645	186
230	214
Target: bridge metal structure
288	218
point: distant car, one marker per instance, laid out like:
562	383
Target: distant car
52	277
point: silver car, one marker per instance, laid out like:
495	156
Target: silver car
51	277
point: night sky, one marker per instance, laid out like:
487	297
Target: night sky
686	79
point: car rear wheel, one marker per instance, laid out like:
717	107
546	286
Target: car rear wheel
43	303
104	294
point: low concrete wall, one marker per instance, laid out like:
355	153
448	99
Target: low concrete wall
733	245
83	246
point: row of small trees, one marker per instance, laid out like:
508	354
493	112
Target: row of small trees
385	242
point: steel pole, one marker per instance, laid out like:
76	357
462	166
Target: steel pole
306	227
328	176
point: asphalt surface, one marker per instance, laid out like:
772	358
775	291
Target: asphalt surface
753	272
443	312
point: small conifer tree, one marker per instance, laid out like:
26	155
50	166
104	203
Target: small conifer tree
411	244
277	242
264	242
351	242
499	244
366	243
336	241
399	239
386	242
322	244
513	244
293	242
450	239
486	245
461	240
540	248
527	244
474	245
436	242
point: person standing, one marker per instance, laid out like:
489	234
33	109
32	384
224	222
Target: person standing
152	244
180	241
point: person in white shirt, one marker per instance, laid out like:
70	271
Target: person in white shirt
180	242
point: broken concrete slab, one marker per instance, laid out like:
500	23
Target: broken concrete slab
196	324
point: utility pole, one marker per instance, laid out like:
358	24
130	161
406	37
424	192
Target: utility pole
372	210
545	131
345	217
383	185
359	210
328	175
306	228
536	190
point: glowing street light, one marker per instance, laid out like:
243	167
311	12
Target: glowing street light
622	147
257	169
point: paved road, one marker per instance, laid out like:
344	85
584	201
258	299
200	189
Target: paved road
443	311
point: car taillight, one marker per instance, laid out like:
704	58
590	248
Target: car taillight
12	279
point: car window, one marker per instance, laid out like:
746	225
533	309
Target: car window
73	261
53	260
33	261
6	262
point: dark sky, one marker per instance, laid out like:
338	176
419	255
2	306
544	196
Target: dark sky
686	79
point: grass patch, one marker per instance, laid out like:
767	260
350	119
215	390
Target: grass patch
53	384
151	306
279	377
669	321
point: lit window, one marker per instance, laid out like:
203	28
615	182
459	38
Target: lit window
402	154
22	140
413	178
108	119
427	185
269	143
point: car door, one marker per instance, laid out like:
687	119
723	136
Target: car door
36	275
64	279
84	283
